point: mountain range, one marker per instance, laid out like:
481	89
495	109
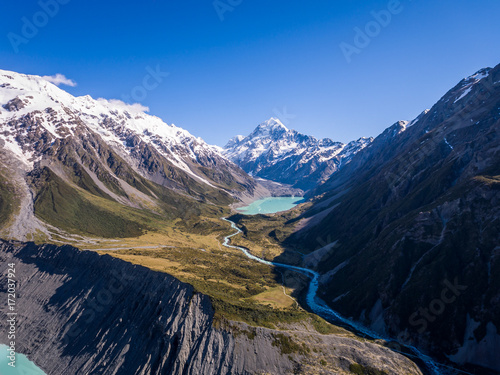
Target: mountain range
84	165
67	158
404	230
276	153
108	178
406	235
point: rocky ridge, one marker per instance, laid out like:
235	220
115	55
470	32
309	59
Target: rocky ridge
413	216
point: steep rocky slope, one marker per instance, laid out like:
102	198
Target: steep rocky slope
413	228
81	313
274	152
36	113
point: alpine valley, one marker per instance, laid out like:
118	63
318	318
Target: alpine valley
124	264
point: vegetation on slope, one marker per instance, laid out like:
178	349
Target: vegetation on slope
7	199
64	207
263	235
85	209
240	289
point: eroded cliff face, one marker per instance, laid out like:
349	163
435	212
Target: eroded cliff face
82	313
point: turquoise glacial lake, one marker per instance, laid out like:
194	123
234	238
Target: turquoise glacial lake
271	205
23	365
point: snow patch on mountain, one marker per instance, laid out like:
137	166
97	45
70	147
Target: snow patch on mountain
468	83
464	94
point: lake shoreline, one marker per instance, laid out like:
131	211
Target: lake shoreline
269	205
22	364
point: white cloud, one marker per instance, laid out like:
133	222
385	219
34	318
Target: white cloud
134	108
60	79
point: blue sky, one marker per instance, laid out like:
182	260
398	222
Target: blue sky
234	64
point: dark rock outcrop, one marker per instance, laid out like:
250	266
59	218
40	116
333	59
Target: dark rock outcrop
14	105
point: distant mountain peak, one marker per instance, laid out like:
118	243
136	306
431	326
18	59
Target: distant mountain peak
274	152
273	124
234	141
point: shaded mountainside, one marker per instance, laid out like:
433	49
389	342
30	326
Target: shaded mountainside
413	228
276	153
82	313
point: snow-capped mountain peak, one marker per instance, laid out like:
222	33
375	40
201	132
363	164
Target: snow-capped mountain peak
272	124
34	93
234	141
273	151
31	107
